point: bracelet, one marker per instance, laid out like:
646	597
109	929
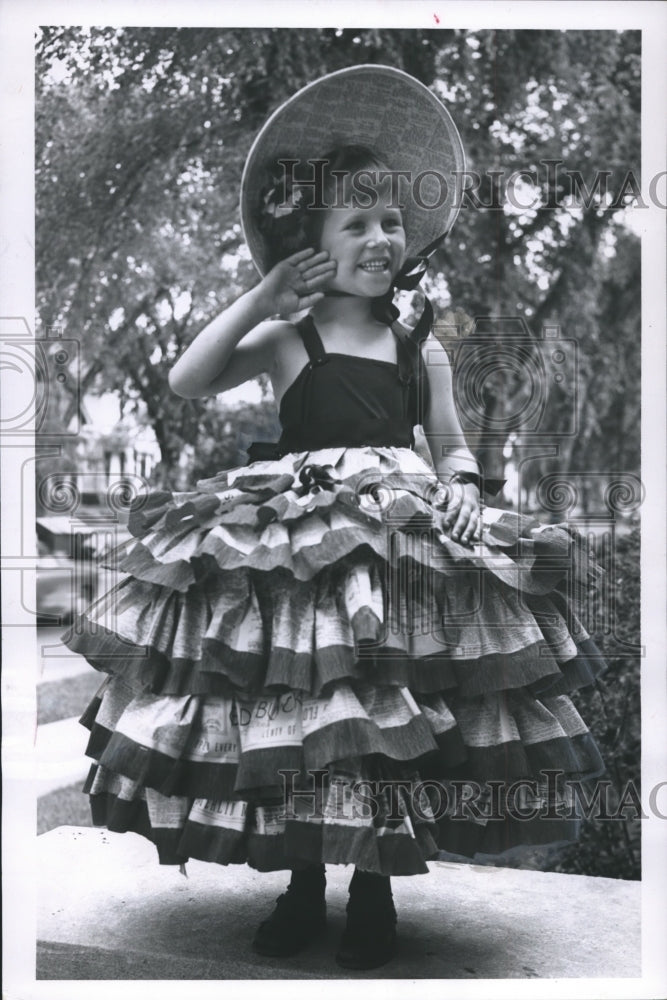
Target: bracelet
484	485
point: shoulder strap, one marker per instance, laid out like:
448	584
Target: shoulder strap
404	356
311	340
410	348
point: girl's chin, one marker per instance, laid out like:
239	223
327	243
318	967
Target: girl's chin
377	283
367	285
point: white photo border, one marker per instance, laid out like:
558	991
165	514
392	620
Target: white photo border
18	22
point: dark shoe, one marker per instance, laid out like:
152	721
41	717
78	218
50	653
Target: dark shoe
369	938
294	924
366	948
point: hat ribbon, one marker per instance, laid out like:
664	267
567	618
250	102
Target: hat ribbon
407	279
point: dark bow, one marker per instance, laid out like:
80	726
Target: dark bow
407	279
316	477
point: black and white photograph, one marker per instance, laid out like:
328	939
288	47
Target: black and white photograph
333	492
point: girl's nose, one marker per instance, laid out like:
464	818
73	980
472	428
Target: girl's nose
377	236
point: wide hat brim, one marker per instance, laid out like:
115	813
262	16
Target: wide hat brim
375	106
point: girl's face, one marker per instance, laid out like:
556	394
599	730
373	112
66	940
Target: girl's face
368	244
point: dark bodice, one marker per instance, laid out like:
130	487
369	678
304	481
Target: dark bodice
338	400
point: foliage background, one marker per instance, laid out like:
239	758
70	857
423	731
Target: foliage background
141	135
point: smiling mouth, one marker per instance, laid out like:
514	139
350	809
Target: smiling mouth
377	266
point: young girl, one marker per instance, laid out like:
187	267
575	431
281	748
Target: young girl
324	657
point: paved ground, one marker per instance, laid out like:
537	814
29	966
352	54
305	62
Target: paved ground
106	910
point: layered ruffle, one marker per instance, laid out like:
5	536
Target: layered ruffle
309	617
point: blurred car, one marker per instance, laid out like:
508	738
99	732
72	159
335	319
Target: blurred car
69	575
62	590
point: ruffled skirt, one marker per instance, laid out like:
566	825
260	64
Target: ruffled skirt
302	667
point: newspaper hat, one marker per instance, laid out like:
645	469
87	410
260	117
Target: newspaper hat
375	106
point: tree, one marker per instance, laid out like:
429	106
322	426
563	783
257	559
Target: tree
141	138
564	107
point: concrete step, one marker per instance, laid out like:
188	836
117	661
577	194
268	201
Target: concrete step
60	755
107	910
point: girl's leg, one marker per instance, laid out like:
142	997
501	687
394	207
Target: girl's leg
369	939
299	915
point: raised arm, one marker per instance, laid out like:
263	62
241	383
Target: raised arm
216	360
238	344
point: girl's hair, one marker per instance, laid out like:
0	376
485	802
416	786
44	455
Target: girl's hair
289	218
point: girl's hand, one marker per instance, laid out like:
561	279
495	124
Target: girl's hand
296	283
462	511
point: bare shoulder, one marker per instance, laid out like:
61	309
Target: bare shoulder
261	350
432	348
280	341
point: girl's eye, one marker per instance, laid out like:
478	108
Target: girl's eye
356	224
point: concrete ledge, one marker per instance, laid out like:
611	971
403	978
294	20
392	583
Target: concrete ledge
107	910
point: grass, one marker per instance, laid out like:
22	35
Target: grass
64	699
63	807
